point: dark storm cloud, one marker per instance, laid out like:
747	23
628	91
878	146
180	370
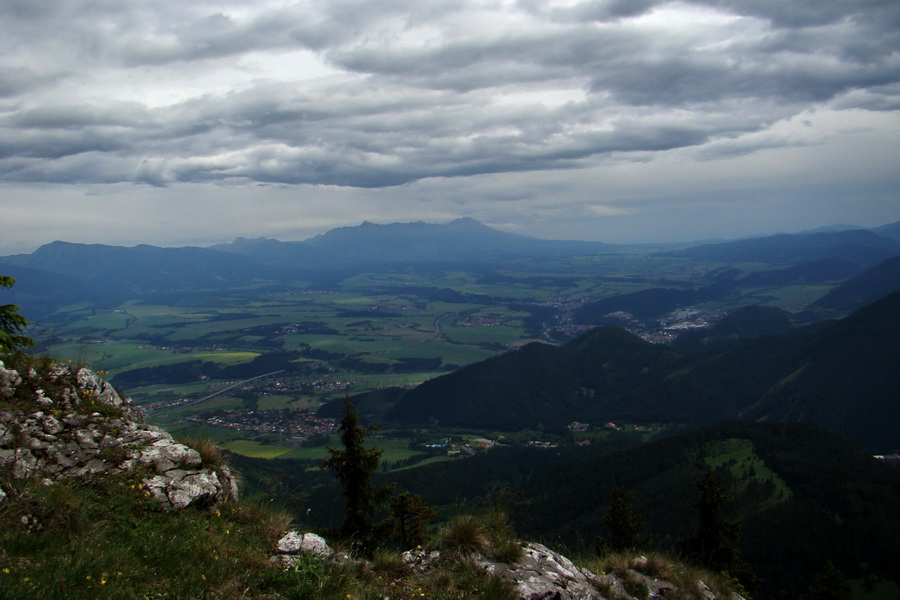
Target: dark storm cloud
418	90
811	13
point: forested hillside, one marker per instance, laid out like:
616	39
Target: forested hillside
803	496
841	375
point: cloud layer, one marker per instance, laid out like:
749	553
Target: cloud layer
370	95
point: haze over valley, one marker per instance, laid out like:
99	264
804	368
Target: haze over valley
473	349
560	255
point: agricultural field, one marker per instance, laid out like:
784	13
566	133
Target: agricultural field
295	347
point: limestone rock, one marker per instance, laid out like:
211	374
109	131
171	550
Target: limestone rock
164	454
294	546
295	543
178	489
420	561
543	574
9	380
62	440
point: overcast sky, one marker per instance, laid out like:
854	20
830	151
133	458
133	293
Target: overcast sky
190	123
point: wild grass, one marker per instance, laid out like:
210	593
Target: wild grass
509	551
464	535
687	581
386	561
489	534
463	580
106	539
211	454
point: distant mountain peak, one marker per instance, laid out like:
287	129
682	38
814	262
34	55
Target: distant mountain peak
466	222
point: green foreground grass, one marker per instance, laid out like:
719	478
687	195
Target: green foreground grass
104	538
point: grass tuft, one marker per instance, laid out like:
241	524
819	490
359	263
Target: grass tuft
211	455
509	551
654	565
388	562
268	521
463	580
464	535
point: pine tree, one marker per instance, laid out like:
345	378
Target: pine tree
355	466
714	543
12	324
829	584
408	518
624	526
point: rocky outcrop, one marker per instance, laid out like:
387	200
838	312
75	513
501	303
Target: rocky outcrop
60	424
539	574
295	542
542	573
294	546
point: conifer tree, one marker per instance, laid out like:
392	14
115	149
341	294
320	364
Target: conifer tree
12	324
624	526
714	542
408	518
355	466
829	584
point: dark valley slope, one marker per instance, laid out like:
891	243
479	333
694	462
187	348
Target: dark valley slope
804	496
844	377
865	288
538	385
745	323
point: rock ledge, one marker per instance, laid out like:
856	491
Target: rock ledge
84	428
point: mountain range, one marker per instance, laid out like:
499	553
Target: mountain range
63	272
864	247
